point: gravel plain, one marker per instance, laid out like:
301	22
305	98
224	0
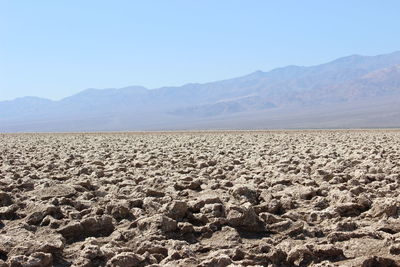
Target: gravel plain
245	198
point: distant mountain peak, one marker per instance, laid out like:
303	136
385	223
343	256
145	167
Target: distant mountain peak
257	72
134	87
348	59
31	99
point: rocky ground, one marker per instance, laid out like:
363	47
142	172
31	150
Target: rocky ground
284	198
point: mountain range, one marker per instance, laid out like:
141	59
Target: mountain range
350	92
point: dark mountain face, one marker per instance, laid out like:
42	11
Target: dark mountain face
364	87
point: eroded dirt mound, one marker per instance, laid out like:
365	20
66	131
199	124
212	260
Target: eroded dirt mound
296	198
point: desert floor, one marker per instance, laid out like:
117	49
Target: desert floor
273	198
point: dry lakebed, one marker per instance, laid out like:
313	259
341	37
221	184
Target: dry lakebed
240	198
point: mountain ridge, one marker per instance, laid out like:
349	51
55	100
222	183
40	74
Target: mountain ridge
346	58
345	81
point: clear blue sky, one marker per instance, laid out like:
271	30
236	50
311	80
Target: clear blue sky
54	48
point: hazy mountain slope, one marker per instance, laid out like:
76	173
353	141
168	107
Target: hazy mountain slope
353	91
224	107
21	107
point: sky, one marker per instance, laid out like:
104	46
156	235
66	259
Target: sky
54	49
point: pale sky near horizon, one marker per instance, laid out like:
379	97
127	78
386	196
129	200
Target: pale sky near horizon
54	49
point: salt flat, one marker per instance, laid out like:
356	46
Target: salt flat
266	198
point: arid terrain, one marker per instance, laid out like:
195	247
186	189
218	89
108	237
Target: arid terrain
272	198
